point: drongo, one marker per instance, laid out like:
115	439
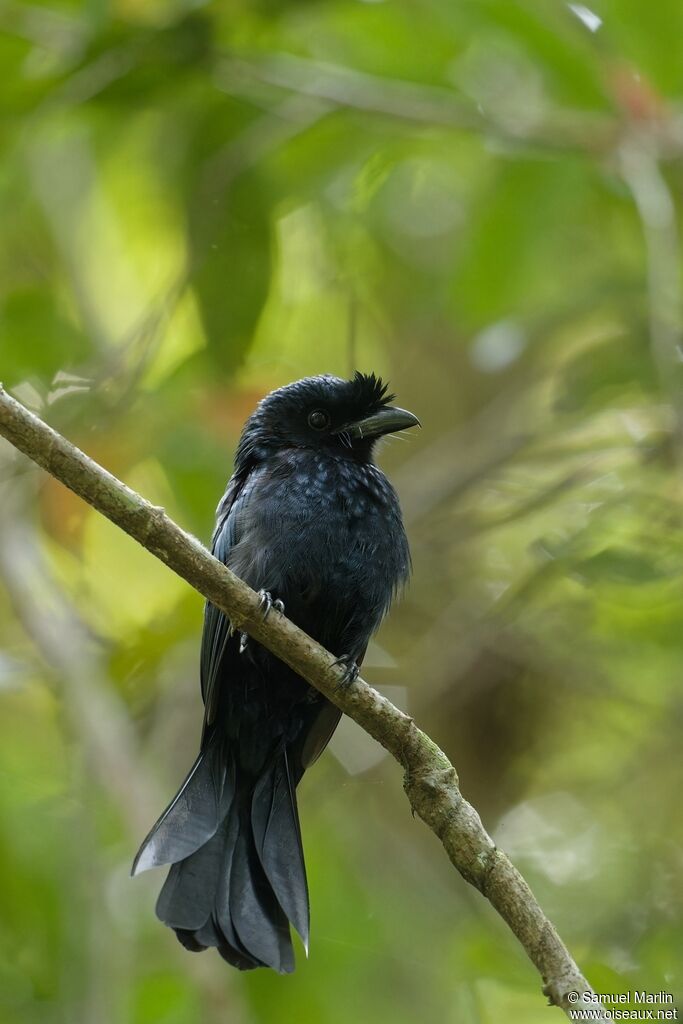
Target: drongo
311	522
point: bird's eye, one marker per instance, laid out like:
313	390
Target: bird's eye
318	419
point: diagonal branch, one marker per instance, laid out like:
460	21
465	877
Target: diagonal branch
344	87
430	781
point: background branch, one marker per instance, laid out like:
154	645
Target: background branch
430	781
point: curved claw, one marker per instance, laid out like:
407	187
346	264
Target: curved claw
267	603
351	669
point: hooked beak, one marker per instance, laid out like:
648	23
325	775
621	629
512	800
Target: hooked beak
386	421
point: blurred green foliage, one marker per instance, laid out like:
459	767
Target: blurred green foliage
481	201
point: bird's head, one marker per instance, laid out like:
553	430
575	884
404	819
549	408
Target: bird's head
346	417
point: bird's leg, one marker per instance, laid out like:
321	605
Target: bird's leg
351	669
266	604
232	629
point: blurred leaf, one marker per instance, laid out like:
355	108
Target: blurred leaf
618	370
555	41
647	43
38	341
620	566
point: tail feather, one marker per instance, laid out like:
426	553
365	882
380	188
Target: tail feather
258	919
187	896
221	923
242	880
194	814
277	834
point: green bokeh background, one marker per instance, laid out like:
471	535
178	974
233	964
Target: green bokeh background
481	201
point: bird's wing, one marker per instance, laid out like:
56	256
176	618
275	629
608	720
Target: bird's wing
216	631
324	720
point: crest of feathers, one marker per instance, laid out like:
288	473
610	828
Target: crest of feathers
370	390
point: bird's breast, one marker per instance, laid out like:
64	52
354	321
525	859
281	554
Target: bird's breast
329	540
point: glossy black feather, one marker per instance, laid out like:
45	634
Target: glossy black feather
275	824
193	815
309	517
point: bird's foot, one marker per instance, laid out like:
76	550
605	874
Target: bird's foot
351	669
267	603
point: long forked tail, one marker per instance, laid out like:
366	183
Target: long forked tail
237	878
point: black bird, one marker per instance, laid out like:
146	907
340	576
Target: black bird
311	522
